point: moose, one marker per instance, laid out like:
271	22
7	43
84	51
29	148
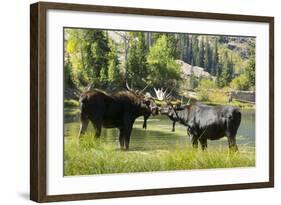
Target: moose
206	122
115	110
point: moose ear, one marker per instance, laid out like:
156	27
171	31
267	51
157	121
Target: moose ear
146	101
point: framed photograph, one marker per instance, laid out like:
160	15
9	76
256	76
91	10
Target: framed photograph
135	102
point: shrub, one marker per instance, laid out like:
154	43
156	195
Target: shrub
203	89
240	83
70	103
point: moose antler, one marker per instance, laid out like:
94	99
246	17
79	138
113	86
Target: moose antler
128	87
162	95
135	91
140	92
89	87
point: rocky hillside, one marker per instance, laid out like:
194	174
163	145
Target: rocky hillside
188	70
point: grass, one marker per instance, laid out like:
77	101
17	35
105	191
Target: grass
242	105
91	156
220	98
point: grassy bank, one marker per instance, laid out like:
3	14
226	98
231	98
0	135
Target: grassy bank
242	105
90	156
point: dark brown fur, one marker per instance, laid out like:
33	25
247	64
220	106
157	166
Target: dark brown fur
116	110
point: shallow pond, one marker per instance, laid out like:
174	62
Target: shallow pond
158	134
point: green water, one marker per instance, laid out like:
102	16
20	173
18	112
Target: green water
158	134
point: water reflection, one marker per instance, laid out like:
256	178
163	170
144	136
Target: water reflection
159	136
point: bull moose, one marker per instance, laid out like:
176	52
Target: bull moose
206	122
116	110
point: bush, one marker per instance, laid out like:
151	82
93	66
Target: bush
240	83
203	89
70	103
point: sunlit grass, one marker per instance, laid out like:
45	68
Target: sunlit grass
89	156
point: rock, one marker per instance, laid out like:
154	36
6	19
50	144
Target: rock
187	70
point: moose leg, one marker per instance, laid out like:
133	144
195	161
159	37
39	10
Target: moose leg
145	117
189	136
97	130
127	136
173	126
144	123
96	122
121	138
203	143
232	143
194	140
83	126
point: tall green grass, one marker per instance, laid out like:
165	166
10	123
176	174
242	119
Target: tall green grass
89	156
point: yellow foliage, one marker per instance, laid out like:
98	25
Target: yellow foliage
70	46
218	96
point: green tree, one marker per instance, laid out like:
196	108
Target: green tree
164	70
208	56
174	41
189	52
195	50
251	65
201	54
87	51
113	66
227	70
174	44
136	64
103	77
186	48
215	59
99	54
68	74
76	50
219	80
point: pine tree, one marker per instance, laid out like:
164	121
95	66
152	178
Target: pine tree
136	64
208	56
227	70
251	65
190	53
219	81
103	77
99	52
201	54
195	51
174	44
215	59
113	67
186	49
